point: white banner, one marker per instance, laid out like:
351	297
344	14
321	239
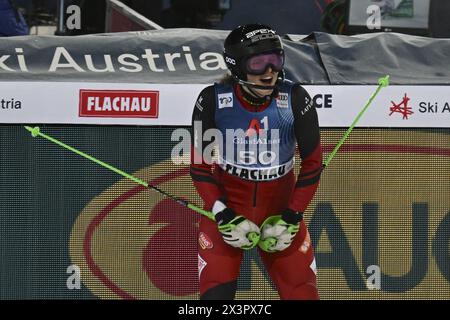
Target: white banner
97	103
172	104
395	106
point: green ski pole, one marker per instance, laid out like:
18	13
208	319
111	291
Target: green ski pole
35	132
382	83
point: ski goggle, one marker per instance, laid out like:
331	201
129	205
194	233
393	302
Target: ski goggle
258	64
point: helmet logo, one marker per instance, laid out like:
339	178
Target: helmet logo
259	31
230	60
260	34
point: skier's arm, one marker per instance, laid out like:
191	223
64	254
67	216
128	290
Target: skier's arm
307	132
200	168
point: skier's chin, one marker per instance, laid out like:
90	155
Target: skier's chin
263	92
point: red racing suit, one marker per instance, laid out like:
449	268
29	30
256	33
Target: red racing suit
293	270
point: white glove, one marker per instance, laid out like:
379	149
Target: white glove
277	234
281	235
237	231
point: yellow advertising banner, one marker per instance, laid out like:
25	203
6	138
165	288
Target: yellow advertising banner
380	225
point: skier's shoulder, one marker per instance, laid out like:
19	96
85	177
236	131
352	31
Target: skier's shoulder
206	98
208	91
215	88
296	87
301	99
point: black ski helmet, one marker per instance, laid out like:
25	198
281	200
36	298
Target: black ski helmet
246	41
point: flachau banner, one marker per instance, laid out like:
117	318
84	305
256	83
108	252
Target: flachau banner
172	104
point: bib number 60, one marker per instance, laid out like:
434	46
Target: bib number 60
253	157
